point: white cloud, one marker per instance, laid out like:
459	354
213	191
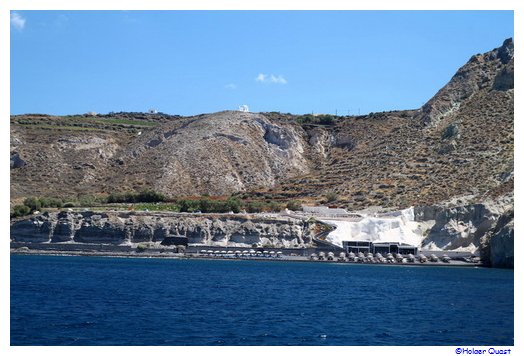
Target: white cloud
230	86
277	79
261	78
17	21
270	78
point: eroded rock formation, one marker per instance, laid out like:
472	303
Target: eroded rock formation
118	228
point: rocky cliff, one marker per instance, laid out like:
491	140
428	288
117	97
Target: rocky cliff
498	245
117	228
486	227
489	71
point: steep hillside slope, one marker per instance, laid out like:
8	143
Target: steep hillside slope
216	154
458	144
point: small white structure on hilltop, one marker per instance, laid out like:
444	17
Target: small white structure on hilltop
243	108
153	111
91	113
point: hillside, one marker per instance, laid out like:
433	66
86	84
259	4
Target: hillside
460	143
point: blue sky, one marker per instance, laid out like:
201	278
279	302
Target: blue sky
192	62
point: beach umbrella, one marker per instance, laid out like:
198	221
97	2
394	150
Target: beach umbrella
237	252
245	252
271	252
266	252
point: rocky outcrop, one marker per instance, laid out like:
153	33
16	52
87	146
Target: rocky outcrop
16	161
460	227
491	69
498	245
217	154
505	78
485	227
117	228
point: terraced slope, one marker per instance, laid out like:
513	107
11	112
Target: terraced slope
459	143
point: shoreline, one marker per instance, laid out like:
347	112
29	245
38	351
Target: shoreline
185	256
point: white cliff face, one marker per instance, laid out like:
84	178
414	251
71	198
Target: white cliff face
125	228
396	227
461	227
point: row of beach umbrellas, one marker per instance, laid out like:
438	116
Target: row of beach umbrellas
238	252
390	257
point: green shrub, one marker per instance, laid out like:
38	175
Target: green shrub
206	206
294	205
45	202
326	120
141	247
233	204
254	207
316	119
54	203
115	198
275	207
87	200
150	196
33	203
158	207
146	196
331	197
188	206
20	210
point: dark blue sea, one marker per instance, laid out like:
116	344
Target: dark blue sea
118	301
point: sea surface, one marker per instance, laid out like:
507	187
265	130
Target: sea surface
59	300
